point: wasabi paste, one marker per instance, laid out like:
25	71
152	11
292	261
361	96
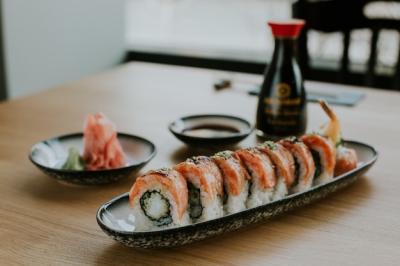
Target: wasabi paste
74	160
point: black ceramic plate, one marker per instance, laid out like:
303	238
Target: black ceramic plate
49	155
210	130
115	217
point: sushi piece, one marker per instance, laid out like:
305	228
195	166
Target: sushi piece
236	181
284	167
346	158
205	186
159	199
324	155
262	174
304	164
102	149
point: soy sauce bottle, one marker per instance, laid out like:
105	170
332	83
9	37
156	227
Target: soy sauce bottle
282	102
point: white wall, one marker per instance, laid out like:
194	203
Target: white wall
50	42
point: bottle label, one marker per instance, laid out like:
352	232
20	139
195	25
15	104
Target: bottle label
282	110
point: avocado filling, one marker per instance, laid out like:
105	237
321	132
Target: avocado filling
156	207
317	161
195	207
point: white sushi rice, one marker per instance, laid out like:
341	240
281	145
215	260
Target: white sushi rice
211	210
280	189
259	196
237	203
214	208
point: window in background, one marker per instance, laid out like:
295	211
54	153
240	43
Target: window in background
232	29
236	30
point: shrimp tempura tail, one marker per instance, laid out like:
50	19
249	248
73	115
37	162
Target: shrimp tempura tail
332	129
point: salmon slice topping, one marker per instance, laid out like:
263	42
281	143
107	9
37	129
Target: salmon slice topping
206	171
282	160
233	170
260	164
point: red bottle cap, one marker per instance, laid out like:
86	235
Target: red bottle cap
286	28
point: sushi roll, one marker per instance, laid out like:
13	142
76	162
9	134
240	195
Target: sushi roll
284	167
346	160
323	153
205	186
236	181
262	175
159	199
304	164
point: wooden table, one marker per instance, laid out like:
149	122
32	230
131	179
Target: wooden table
45	223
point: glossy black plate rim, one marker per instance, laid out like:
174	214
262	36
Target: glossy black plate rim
249	128
80	134
140	234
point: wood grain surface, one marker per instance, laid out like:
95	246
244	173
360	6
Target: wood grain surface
43	222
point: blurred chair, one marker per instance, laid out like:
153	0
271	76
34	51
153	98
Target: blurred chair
344	16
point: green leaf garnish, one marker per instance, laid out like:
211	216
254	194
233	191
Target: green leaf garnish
224	154
270	144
